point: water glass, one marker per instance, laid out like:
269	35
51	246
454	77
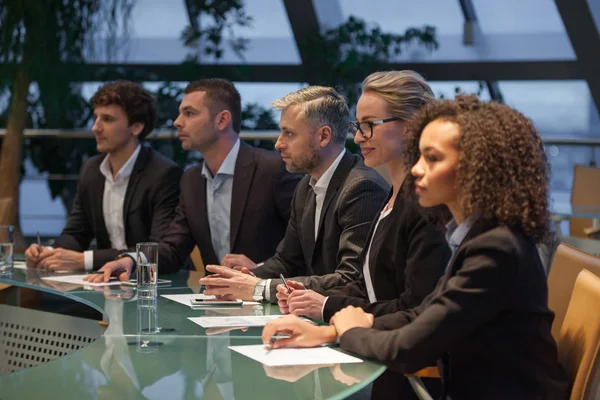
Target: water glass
147	325
6	249
147	269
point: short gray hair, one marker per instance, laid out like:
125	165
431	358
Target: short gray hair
321	105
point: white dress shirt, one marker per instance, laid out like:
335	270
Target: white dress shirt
320	188
112	204
366	268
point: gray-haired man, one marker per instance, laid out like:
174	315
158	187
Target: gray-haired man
332	207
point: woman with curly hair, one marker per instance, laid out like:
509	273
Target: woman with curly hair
487	323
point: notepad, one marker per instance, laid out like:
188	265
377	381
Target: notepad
294	356
234	322
78	280
185	298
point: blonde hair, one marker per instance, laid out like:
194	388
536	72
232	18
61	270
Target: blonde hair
321	105
405	92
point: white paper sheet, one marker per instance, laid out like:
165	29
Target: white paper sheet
229	322
78	280
294	356
185	298
19	265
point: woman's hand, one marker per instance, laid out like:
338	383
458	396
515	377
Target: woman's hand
301	333
351	317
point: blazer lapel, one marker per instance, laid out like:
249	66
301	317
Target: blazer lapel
308	223
478	228
337	179
200	220
97	198
242	179
134	179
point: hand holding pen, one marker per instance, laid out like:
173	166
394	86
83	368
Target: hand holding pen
284	291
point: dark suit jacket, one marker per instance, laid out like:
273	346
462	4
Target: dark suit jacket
353	197
260	210
406	267
149	205
487	321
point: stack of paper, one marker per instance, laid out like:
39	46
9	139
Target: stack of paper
295	356
78	280
233	322
185	298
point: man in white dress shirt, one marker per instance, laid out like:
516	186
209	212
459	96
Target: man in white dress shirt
126	195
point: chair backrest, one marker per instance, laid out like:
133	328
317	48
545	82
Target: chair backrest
5	204
579	341
566	265
197	260
585	191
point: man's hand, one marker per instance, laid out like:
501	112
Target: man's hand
283	294
109	269
306	302
229	284
63	260
237	262
36	253
351	317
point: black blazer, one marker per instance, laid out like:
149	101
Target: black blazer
487	322
260	210
407	266
353	197
149	205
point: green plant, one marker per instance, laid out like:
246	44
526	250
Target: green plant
343	56
38	40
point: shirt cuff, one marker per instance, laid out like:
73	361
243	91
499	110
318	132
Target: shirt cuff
88	260
323	309
268	290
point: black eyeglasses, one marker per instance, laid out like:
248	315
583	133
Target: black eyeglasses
366	127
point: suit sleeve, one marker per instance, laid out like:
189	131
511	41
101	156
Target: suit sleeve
178	242
472	297
164	203
78	232
357	207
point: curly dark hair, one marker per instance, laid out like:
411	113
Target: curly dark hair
503	170
138	103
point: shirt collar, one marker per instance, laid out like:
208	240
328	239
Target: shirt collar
324	180
455	234
228	165
126	169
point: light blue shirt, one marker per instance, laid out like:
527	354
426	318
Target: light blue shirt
455	234
218	202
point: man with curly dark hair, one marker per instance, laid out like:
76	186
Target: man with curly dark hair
125	195
487	323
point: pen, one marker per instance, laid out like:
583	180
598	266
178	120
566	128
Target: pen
39	241
116	272
290	290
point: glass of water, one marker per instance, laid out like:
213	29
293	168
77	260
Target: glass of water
147	269
6	249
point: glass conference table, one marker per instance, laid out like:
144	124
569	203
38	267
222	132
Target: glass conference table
181	361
